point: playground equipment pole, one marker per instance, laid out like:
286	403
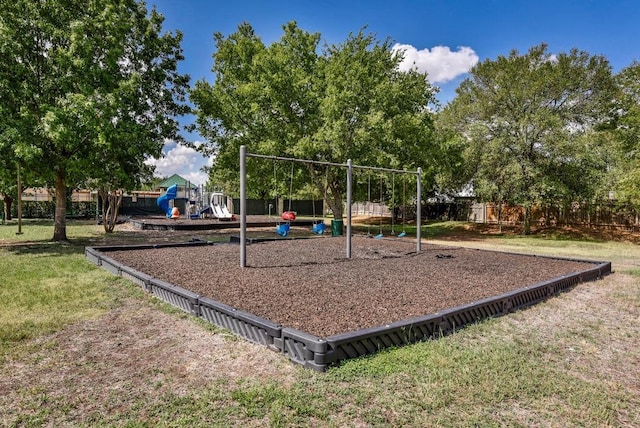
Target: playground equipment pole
243	207
349	197
419	211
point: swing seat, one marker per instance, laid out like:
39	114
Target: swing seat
288	215
378	236
319	228
175	213
282	230
402	235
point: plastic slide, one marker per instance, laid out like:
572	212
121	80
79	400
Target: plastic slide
217	211
220	211
225	211
163	201
205	210
218	208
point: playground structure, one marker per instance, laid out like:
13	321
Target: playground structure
163	202
349	178
294	332
198	204
218	206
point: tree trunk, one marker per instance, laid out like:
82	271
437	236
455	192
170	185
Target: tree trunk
527	219
8	201
60	219
334	200
331	194
111	202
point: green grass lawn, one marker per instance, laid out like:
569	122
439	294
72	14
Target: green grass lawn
47	285
571	361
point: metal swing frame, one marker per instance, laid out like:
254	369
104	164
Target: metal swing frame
349	166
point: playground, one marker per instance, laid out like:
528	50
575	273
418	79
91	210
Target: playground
322	299
307	284
330	308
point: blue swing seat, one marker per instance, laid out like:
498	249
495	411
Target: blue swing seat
319	228
283	229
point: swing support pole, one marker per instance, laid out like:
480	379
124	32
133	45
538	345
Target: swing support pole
418	210
349	202
243	206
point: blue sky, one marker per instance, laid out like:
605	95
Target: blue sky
443	37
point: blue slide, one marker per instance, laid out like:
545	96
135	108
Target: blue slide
163	201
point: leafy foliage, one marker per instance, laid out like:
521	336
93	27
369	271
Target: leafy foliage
346	101
89	90
627	135
531	125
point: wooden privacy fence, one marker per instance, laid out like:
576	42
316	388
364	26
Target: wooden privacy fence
583	214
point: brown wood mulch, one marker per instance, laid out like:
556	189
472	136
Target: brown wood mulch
309	285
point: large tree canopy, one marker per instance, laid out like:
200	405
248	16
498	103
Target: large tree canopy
88	89
626	176
293	99
530	124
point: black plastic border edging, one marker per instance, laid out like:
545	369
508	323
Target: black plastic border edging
368	341
249	326
319	353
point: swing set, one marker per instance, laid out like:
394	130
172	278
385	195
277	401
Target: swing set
349	178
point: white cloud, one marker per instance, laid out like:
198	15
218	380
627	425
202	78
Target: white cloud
183	161
440	63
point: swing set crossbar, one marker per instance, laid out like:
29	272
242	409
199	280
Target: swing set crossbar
270	157
343	165
376	168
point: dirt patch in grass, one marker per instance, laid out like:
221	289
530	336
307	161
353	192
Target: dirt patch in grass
475	231
135	353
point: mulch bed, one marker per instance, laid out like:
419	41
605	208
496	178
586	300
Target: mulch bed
309	285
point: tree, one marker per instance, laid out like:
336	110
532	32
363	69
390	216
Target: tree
8	178
292	99
626	177
531	124
10	159
86	85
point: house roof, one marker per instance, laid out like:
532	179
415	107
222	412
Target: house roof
176	179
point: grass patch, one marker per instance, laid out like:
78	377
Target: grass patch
440	229
455	381
473	378
45	287
37	230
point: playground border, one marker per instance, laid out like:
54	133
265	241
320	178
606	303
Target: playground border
319	353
